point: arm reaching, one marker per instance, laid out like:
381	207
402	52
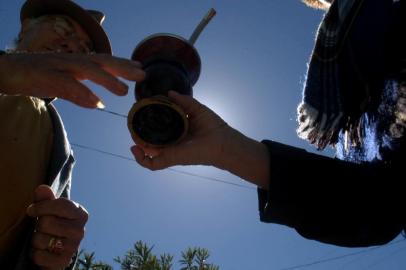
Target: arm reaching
210	141
59	75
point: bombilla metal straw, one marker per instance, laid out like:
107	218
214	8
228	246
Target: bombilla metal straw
210	14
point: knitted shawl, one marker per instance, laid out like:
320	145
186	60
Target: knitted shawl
338	90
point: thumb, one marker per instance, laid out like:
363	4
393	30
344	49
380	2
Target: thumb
43	193
188	103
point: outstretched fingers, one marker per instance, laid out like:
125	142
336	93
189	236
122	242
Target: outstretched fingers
60	75
121	67
101	69
70	89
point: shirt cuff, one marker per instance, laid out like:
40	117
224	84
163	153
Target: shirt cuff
279	203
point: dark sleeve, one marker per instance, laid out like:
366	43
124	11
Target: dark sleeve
333	201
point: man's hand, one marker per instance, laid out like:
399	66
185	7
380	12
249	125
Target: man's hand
59	231
59	75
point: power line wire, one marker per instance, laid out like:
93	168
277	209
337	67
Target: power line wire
173	170
344	266
113	113
340	257
375	261
101	151
212	179
382	259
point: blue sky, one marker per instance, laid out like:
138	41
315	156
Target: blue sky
254	55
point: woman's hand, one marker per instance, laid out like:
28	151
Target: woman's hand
202	145
210	141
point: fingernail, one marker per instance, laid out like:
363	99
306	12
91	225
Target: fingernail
173	93
100	105
30	210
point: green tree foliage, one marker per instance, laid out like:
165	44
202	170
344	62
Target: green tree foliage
140	257
86	262
196	259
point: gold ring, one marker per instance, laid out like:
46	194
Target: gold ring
55	245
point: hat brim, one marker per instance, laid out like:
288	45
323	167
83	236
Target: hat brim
37	8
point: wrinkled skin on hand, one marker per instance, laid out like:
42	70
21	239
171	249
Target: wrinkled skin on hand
59	75
202	146
60	218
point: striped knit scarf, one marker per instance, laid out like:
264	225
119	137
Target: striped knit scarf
323	111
